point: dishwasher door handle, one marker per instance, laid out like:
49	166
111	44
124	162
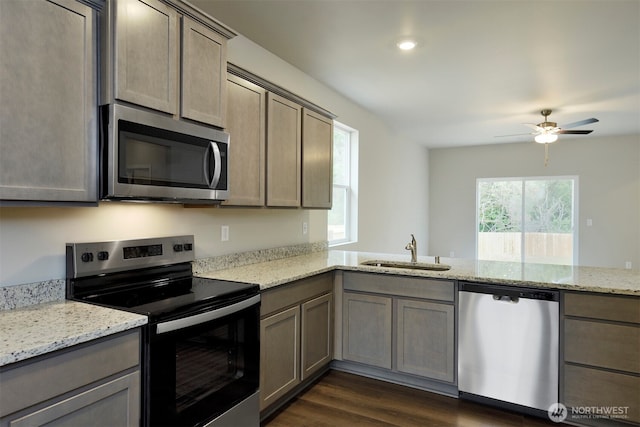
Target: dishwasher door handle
506	298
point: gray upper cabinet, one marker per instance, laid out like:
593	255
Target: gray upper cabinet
281	146
284	141
317	155
246	122
204	73
146	52
165	56
48	81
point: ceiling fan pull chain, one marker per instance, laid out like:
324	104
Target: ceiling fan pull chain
546	154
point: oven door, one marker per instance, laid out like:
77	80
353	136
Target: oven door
204	365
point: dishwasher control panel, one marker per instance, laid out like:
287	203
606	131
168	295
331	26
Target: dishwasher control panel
510	291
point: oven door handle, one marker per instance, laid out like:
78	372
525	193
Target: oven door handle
173	325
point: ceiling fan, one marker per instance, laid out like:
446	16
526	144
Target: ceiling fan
547	132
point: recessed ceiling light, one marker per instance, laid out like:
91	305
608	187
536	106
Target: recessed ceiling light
407	44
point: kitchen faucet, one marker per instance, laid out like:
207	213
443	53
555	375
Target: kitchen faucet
413	247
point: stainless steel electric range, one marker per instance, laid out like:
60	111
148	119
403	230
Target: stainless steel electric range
200	352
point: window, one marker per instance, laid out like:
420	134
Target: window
342	221
527	220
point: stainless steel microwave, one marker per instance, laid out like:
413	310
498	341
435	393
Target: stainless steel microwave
152	157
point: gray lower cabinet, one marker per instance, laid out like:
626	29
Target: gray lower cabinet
317	335
48	113
94	384
279	355
367	329
296	336
401	324
601	356
425	339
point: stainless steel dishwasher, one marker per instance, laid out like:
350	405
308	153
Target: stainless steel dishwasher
508	345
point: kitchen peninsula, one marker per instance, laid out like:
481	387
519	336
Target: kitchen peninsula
272	273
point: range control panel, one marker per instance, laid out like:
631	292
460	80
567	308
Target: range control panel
88	259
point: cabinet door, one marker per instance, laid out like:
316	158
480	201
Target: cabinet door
425	339
48	129
317	334
146	57
279	355
283	151
116	403
591	387
367	329
246	119
204	73
317	155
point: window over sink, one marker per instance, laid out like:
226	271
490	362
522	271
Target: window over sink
343	217
527	219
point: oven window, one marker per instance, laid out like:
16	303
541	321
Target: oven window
208	362
201	371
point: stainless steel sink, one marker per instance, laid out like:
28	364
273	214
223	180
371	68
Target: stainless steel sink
407	265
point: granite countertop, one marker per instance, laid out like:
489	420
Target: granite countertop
38	329
592	279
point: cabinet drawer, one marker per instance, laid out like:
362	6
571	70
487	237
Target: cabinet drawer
605	307
442	290
602	344
595	388
48	377
276	299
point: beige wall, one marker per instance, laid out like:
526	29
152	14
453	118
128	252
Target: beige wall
608	170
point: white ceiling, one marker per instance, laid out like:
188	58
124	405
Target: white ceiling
482	67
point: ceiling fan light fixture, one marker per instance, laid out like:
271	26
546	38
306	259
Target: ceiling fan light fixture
546	138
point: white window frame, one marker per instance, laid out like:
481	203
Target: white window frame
350	188
575	216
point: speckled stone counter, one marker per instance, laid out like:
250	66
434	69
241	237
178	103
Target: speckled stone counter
592	279
39	329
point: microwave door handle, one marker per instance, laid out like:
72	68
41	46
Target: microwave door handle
212	182
218	164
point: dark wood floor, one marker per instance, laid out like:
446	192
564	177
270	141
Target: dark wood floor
341	399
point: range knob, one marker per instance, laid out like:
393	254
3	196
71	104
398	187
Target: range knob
103	256
86	257
188	247
177	247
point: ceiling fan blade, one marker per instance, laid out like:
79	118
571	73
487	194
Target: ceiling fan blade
534	127
575	132
580	123
515	134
